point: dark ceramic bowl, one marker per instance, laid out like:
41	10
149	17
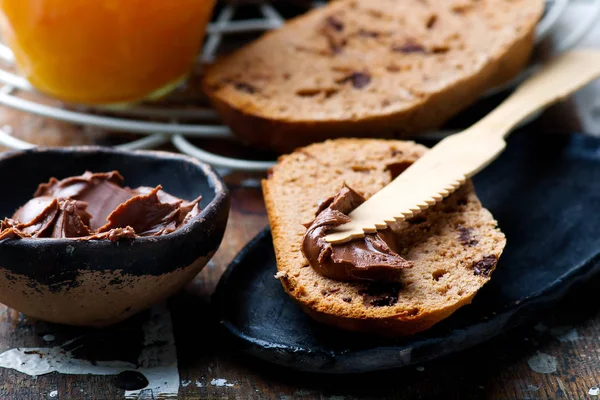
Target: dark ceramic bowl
98	283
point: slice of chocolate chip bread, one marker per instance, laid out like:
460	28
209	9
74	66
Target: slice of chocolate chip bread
453	247
376	68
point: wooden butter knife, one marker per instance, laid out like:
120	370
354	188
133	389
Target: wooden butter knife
458	157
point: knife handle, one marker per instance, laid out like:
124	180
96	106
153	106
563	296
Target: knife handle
458	157
555	81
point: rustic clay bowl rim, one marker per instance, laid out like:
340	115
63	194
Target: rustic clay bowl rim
215	182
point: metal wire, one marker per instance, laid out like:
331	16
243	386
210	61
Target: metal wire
183	145
214	39
6	139
577	34
177	114
114	124
555	9
159	133
148	142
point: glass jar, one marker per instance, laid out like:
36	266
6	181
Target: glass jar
104	51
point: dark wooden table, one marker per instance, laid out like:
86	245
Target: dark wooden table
557	358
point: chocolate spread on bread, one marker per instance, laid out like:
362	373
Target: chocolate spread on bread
96	206
367	259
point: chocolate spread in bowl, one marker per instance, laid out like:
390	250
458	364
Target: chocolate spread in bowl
96	206
370	258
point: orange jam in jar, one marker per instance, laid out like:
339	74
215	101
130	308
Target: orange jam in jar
104	51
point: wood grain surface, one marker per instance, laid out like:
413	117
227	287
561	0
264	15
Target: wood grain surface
558	358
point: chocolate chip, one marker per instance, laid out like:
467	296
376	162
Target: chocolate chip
362	168
385	301
368	34
485	266
461	8
466	236
431	21
327	292
245	87
440	49
410	46
359	79
347	299
335	42
330	92
335	23
311	92
381	294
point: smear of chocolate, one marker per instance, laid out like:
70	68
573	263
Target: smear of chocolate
95	206
366	259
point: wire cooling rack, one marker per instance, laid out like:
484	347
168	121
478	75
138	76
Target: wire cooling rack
178	125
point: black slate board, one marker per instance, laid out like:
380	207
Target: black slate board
545	193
